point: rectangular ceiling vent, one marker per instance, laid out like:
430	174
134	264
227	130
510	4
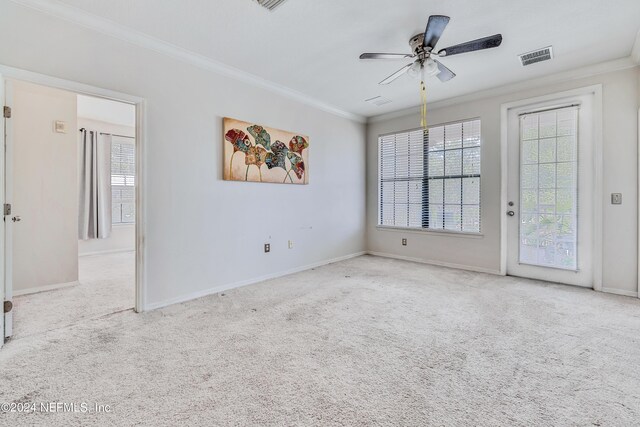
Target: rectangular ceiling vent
538	55
270	4
378	100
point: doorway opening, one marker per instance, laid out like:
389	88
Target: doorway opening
70	189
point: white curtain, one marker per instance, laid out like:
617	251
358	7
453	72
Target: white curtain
94	221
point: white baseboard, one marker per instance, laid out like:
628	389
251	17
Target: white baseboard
226	287
620	292
229	286
44	288
437	263
111	251
481	270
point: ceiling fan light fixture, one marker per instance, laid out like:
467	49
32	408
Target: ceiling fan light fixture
431	67
415	71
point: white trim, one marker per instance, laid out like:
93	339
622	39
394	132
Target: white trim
511	88
4	317
45	288
482	270
226	287
141	206
635	51
620	292
598	188
141	132
112	29
596	91
81	88
436	263
107	252
432	231
504	181
7	244
123	225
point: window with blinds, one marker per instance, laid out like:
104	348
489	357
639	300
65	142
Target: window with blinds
431	179
123	171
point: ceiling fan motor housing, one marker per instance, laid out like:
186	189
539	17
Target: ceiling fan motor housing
416	43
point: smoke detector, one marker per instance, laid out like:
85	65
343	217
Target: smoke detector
538	55
270	4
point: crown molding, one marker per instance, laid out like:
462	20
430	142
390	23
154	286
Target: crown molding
110	28
565	76
635	51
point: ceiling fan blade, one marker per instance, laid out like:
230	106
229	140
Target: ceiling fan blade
397	74
435	28
479	44
445	74
386	56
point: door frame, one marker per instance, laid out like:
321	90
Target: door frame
596	92
140	103
3	296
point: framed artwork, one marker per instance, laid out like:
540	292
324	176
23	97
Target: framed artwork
257	153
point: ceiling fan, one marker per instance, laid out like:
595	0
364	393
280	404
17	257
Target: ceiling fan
423	48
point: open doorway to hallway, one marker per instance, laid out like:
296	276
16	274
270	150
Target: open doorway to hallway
70	180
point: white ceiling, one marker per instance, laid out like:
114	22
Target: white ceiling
312	46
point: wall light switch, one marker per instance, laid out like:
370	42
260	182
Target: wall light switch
616	198
290	244
404	242
59	126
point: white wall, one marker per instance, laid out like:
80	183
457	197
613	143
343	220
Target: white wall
620	253
45	187
203	232
123	236
107	111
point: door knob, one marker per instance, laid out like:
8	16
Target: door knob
511	213
16	219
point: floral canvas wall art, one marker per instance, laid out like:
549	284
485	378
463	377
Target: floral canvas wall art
260	154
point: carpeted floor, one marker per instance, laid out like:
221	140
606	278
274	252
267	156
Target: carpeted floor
107	285
369	341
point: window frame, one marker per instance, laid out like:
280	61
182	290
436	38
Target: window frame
131	142
421	230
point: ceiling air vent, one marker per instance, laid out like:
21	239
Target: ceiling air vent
270	4
539	55
378	100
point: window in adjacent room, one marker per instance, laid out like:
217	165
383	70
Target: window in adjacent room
431	180
123	167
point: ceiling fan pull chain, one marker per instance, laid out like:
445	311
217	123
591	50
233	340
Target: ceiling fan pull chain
423	105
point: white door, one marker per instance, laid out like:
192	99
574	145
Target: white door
549	191
7	229
41	184
3	290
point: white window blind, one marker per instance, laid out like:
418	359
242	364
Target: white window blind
431	180
123	171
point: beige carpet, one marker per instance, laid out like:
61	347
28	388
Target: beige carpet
107	285
368	341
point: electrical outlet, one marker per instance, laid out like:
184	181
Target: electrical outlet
290	244
616	198
267	247
404	242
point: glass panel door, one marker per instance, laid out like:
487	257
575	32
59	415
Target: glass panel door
548	232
